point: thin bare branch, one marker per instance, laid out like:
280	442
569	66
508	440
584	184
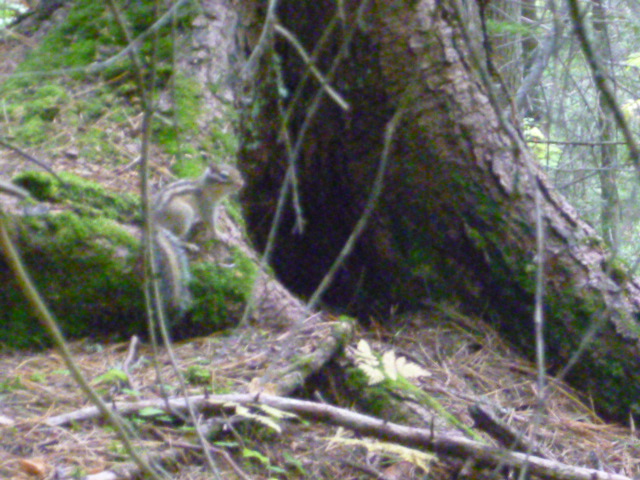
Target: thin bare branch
457	447
31	158
331	92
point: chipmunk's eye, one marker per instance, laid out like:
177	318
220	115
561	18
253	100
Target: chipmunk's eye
220	174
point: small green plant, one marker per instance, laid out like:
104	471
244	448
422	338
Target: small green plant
155	414
388	367
295	463
197	375
114	376
11	385
264	460
394	373
269	417
38	377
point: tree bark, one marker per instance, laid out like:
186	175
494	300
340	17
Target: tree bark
457	218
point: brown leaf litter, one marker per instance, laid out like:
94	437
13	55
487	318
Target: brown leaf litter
467	361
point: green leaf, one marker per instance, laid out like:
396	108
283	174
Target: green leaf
113	376
151	412
246	453
633	60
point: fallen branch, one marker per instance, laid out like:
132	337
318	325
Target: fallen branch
458	447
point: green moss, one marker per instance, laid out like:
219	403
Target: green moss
618	271
89	28
188	99
221	292
376	399
73	43
601	365
83	269
84	196
220	141
33	131
188	102
46	102
189	165
88	268
89	34
198	375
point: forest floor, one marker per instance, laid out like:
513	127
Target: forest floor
48	428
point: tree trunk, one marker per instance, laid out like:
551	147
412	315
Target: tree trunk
457	216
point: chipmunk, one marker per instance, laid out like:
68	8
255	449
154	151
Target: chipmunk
176	209
180	205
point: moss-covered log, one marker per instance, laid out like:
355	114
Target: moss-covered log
84	256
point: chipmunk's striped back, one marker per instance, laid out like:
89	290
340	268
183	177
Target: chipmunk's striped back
181	204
